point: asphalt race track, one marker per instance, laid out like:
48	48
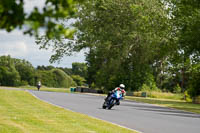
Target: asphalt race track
142	117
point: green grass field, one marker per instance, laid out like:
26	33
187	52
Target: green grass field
20	112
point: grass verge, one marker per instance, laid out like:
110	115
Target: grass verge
160	95
44	88
177	104
20	112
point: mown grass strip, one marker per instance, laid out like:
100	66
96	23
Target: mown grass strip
20	112
43	88
177	104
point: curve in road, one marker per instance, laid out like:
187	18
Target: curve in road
142	117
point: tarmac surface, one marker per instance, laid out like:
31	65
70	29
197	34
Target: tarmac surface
142	117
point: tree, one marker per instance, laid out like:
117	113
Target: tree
79	69
26	71
55	78
8	74
13	16
45	67
124	39
185	15
194	88
186	18
80	81
68	71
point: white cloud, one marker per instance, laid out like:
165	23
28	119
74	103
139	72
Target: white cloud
23	47
30	4
16	49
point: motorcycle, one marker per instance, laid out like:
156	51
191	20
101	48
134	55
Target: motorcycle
112	100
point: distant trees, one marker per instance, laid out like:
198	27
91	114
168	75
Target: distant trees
55	78
45	67
26	71
78	72
17	72
8	74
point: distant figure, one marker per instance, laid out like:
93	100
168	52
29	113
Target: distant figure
39	85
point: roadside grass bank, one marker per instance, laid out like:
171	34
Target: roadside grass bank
165	95
177	104
159	94
20	112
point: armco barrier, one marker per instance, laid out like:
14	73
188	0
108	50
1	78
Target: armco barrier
129	93
88	90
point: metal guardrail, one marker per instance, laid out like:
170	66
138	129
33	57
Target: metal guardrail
85	90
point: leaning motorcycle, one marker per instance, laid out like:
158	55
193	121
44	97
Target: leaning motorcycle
112	100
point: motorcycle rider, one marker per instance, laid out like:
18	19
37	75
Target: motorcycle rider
39	85
120	88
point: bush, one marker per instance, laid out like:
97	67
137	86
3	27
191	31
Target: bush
78	79
177	89
23	83
187	97
147	88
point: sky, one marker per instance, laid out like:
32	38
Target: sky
21	46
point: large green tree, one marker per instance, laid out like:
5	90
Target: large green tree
124	38
185	15
135	42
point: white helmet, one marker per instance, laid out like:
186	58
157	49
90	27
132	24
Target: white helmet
122	86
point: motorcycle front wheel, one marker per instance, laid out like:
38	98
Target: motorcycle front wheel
104	105
112	103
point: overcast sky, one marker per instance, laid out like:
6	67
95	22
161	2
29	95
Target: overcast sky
22	46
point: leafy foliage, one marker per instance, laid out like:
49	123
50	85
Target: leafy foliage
80	81
55	78
195	81
185	18
122	37
9	76
26	71
46	18
79	69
